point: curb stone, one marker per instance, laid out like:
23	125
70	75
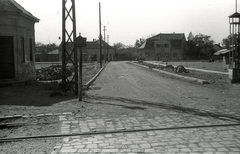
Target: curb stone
176	75
88	84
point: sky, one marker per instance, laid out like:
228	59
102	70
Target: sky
129	20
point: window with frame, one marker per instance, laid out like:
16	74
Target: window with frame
166	45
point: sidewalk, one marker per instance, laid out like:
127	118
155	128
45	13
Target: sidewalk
148	130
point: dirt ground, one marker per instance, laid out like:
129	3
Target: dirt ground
37	98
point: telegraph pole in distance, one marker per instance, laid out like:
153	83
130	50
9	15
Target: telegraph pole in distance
100	37
107	47
104	29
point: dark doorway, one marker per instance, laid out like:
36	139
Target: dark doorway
6	57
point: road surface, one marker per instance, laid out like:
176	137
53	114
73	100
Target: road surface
125	80
115	126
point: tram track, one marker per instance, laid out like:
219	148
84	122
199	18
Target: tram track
3	140
8	125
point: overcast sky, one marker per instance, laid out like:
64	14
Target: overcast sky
128	20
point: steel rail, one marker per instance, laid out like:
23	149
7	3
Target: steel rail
2	140
6	125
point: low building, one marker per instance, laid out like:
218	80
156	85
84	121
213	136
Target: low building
17	42
91	53
164	46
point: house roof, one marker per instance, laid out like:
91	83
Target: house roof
14	7
95	45
148	44
221	52
235	15
169	36
217	47
90	45
54	52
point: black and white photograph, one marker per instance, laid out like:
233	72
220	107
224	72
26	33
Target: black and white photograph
119	77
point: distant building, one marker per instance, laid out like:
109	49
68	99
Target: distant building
91	53
51	56
163	46
17	42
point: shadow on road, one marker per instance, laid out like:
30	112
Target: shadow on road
171	107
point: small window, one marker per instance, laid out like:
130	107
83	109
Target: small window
93	57
158	45
166	45
31	49
175	55
22	49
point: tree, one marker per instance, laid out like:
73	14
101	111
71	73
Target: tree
139	42
124	52
205	43
190	36
199	46
118	46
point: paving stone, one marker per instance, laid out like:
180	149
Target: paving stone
110	150
235	149
197	140
145	146
83	150
222	149
92	146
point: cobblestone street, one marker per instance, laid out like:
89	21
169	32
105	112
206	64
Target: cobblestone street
163	131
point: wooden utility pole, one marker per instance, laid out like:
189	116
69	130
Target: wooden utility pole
236	5
104	29
107	47
100	35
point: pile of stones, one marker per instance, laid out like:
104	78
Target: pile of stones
169	68
53	72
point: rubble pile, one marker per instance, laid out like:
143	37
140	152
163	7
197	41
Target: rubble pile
53	72
180	69
170	68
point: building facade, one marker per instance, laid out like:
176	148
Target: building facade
164	46
17	42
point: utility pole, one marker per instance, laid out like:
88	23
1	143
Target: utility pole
107	47
104	29
100	35
236	5
68	37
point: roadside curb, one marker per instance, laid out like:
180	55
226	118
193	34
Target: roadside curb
88	84
175	75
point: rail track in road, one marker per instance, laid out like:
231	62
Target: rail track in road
3	140
124	102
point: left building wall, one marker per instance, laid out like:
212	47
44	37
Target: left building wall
21	29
